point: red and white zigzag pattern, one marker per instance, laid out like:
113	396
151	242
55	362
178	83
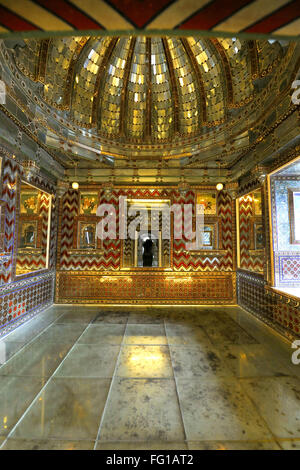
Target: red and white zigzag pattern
111	258
247	260
10	170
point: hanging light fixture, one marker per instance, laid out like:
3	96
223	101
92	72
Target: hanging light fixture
219	186
75	184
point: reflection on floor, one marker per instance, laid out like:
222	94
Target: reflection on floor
147	378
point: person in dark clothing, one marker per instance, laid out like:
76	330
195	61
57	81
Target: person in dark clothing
147	253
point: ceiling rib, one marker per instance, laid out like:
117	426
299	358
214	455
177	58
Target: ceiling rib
149	91
173	85
226	65
42	60
125	86
254	62
70	74
100	78
199	80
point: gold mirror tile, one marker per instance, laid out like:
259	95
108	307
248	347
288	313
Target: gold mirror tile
148	87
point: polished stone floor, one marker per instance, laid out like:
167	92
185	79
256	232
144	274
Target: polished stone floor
147	378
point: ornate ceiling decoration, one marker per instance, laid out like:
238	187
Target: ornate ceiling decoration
149	97
149	107
280	17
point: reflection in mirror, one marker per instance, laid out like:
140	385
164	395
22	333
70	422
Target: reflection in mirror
148	249
87	235
140	253
34	230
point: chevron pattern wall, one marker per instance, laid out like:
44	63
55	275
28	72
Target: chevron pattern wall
249	260
110	256
85	277
28	262
9	181
22	298
184	261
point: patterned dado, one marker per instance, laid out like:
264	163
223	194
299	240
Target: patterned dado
144	288
21	297
276	310
21	301
287	315
81	283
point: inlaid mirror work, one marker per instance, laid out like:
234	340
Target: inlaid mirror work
33	230
285	204
251	244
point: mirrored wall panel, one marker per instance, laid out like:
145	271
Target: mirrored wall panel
148	248
33	230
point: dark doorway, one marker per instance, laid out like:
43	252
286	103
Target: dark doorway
148	253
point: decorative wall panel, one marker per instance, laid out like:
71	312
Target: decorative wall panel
25	260
287	315
286	254
251	256
289	268
9	183
22	300
83	284
110	256
146	287
276	310
70	259
23	296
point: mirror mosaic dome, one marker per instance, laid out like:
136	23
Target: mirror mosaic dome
150	97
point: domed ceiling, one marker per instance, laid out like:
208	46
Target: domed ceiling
186	100
142	91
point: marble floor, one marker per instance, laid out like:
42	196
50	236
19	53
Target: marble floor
147	378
